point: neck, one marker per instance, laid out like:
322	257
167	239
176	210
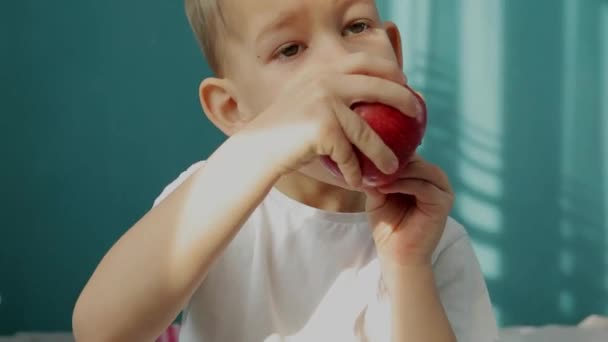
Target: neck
320	195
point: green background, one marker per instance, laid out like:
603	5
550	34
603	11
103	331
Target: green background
99	111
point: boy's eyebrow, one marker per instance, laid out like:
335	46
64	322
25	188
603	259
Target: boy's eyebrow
283	19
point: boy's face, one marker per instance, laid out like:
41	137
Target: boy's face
271	41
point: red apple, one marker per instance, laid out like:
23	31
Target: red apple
400	132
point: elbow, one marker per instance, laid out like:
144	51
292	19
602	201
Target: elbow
82	322
79	324
90	323
86	327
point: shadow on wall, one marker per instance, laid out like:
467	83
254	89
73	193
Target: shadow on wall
519	129
554	223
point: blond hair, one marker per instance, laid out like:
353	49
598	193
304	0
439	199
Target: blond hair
207	21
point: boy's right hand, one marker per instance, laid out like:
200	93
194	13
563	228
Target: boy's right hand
312	116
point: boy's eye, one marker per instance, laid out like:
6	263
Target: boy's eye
289	51
356	28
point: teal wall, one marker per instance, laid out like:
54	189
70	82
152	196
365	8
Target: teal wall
518	105
98	111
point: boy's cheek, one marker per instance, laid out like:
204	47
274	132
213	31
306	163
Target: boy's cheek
255	87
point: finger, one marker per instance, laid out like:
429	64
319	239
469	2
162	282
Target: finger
342	153
360	134
361	88
420	100
426	193
418	168
366	64
415	157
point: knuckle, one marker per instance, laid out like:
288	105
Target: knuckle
426	186
436	170
442	175
433	168
349	160
442	178
328	128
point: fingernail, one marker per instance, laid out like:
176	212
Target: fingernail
370	182
335	173
419	108
394	166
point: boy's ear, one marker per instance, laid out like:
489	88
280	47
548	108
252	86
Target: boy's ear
395	37
219	101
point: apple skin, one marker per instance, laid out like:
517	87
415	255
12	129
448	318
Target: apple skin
401	133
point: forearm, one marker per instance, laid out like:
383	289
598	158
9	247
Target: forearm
417	312
151	272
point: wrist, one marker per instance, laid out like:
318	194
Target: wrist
249	152
416	308
410	265
398	278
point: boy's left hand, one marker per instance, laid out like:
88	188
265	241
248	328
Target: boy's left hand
408	216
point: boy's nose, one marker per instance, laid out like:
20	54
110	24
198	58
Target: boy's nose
334	49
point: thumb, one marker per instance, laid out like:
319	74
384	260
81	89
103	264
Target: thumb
374	199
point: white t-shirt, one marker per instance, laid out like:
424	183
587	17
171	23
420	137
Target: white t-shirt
297	273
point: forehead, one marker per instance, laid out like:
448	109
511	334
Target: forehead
245	17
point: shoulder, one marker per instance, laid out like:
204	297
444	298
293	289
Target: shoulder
168	189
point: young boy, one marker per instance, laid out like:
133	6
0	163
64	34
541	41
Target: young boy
260	242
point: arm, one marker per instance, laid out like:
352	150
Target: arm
463	290
455	290
408	218
151	272
415	288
